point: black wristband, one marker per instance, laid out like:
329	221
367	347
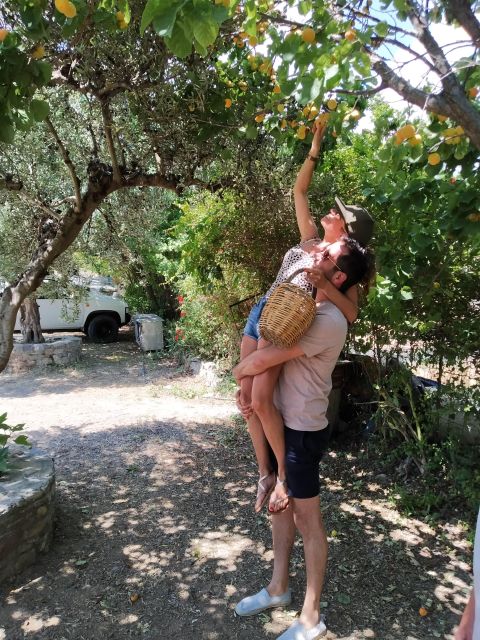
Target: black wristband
312	158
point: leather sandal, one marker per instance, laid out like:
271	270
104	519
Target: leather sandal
262	489
284	502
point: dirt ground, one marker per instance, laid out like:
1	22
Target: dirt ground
155	532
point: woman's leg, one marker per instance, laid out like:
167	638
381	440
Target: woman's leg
260	444
272	424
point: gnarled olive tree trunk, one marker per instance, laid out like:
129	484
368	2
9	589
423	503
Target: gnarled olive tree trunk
30	321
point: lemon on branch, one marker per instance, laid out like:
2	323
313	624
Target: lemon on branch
308	35
66	8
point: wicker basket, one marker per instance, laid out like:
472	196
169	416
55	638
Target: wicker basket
287	315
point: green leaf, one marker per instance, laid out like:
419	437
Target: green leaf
406	293
179	44
304	7
39	109
3	439
251	132
7	132
199	48
163	11
311	89
23	440
381	29
205	30
250	24
165	22
43	71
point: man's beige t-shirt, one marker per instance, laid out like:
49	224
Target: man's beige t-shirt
302	391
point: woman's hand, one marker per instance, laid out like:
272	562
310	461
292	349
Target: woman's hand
319	128
316	277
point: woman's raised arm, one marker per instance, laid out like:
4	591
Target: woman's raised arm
306	225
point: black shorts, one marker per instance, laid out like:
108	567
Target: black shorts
304	450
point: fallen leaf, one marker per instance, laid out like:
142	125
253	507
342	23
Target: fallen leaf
343	598
81	563
134	597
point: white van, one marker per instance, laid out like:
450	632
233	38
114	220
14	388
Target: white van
99	316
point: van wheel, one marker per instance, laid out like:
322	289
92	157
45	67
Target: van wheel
103	328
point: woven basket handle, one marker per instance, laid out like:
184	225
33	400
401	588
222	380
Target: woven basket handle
295	273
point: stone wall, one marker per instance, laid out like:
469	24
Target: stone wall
26	511
60	351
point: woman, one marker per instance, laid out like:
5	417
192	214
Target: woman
255	398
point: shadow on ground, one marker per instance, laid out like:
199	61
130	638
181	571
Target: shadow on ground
156	538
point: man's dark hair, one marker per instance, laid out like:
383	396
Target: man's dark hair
357	264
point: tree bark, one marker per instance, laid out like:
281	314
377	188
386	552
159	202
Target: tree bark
30	321
99	188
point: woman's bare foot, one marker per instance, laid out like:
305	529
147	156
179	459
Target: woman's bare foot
279	497
264	489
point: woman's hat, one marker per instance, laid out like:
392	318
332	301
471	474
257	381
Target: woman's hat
358	221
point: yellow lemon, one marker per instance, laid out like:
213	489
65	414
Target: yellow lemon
276	89
228	103
434	159
302	132
407	131
415	140
260	117
350	35
280	107
332	104
66	7
308	35
283	124
252	41
38	52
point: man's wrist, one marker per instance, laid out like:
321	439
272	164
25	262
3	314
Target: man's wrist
313	157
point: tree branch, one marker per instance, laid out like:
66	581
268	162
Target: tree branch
440	62
423	100
462	11
415	55
107	122
10	184
68	162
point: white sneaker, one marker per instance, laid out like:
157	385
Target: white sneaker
261	601
298	632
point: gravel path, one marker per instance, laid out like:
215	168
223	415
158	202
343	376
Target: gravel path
155	534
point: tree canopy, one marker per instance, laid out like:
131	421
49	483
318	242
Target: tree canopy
100	97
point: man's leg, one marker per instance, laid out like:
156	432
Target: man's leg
283	535
308	520
277	593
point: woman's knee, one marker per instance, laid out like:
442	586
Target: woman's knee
262	402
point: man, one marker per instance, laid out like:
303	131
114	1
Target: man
302	398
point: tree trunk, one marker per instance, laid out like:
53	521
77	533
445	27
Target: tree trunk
30	321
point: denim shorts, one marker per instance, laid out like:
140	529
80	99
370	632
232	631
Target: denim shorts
252	327
304	450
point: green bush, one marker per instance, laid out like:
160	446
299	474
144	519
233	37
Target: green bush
7	434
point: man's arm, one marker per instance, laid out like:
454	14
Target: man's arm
263	359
